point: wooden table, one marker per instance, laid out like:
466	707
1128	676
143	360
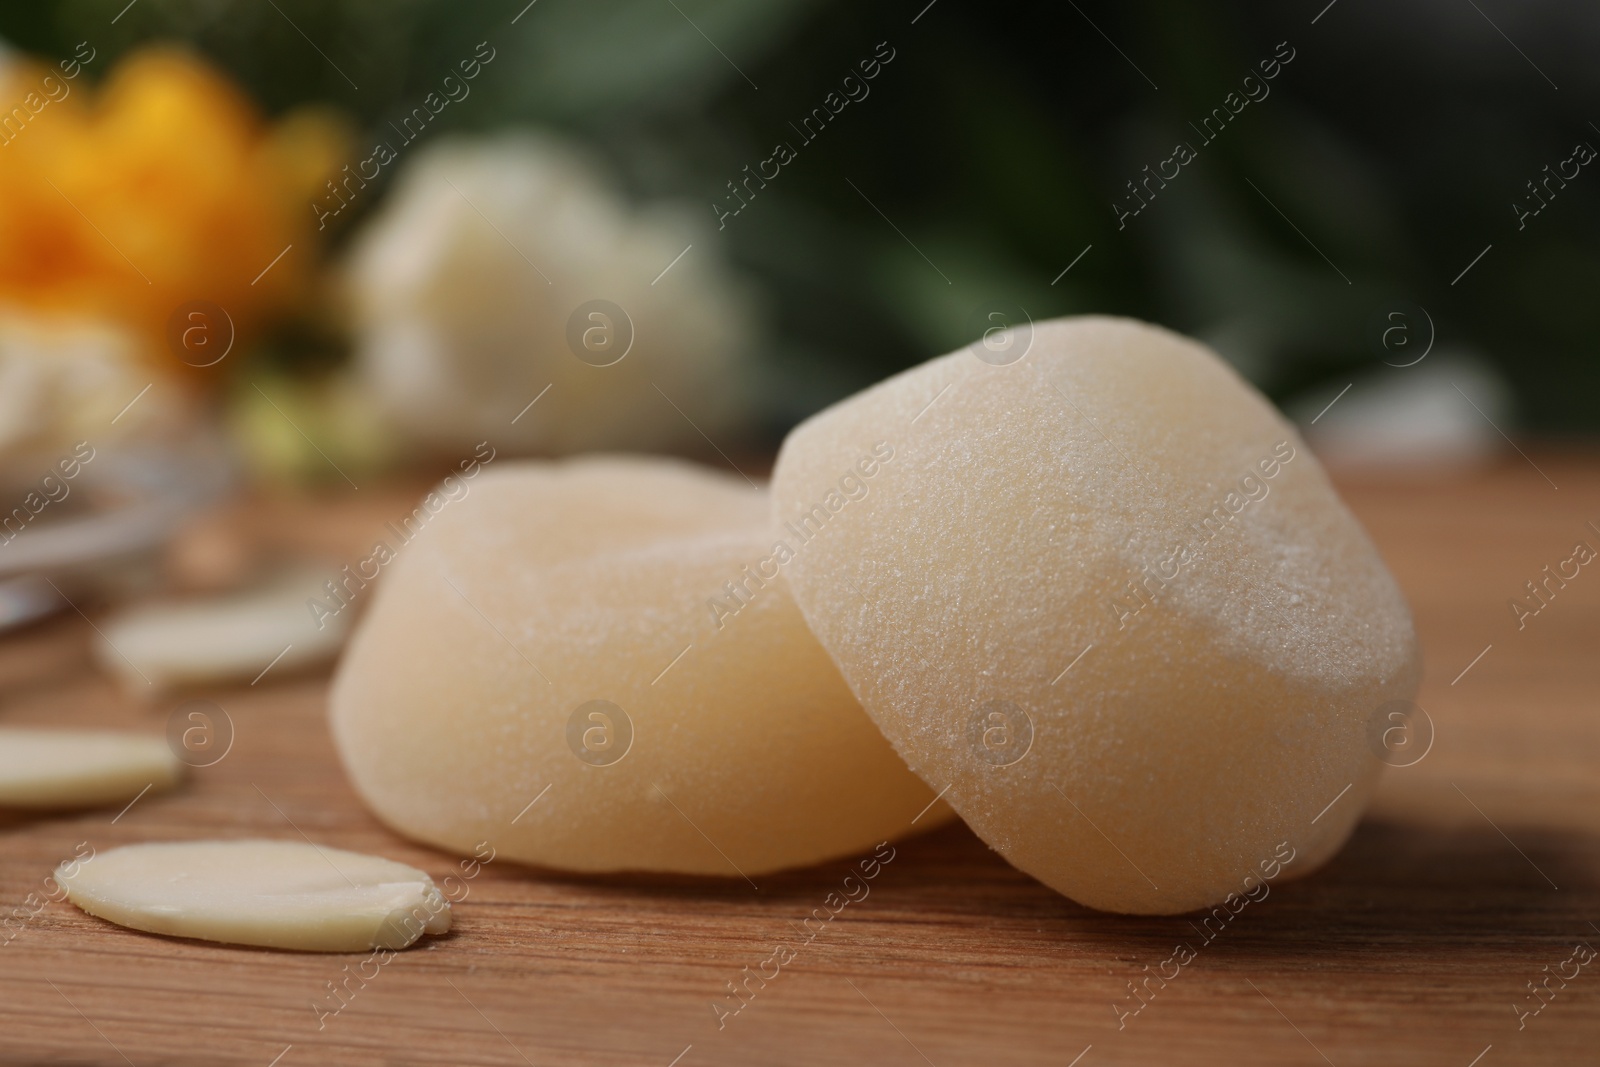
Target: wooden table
1476	869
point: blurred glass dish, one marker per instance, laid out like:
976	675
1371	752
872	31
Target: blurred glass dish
26	598
104	533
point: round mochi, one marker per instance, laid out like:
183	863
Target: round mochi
273	894
1105	597
582	664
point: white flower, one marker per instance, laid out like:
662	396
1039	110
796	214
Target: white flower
68	379
464	283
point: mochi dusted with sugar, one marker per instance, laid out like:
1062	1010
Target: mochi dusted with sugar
1105	598
580	664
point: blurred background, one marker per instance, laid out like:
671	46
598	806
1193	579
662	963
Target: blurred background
318	242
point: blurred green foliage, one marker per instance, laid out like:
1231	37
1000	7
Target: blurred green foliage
1387	155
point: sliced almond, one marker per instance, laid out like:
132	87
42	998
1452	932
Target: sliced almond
274	894
154	648
80	769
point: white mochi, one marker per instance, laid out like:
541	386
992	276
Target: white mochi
557	665
1106	597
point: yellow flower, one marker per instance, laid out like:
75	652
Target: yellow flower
165	188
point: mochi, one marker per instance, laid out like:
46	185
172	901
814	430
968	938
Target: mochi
595	665
1105	600
272	894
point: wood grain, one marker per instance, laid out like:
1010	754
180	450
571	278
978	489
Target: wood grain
1475	870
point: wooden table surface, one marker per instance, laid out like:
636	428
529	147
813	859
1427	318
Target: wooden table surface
1476	870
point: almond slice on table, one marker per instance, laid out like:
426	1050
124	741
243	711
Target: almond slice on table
272	894
47	769
157	647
